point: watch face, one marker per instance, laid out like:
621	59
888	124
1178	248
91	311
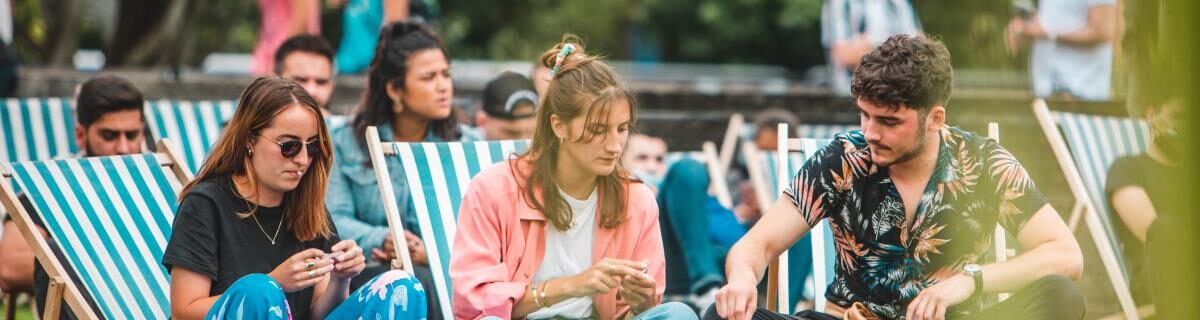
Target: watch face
972	268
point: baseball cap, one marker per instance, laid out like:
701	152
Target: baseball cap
504	97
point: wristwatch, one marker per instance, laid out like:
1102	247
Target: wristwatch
975	271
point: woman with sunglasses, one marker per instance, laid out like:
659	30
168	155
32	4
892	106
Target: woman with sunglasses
251	237
409	90
562	231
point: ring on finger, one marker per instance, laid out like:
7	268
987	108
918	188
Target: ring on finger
312	274
309	265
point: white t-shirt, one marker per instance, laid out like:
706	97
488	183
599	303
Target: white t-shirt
568	253
1085	72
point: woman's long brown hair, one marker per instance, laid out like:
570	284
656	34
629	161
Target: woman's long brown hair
583	86
260	103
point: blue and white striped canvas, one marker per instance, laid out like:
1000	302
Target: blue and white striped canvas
821	235
822	131
1095	142
806	130
438	174
36	129
769	159
195	125
111	217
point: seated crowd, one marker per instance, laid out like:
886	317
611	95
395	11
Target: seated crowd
284	220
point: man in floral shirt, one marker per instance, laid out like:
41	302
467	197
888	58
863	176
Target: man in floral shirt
913	204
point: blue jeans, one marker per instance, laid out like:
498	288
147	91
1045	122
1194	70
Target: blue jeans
391	295
692	259
669	311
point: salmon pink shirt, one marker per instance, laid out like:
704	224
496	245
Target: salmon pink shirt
501	241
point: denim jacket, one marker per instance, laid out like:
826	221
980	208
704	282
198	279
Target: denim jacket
353	194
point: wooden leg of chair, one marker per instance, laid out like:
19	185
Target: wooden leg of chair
54	295
10	306
773	285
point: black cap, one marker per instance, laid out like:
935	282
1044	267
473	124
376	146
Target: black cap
504	94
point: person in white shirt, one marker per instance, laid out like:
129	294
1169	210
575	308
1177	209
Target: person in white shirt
1072	46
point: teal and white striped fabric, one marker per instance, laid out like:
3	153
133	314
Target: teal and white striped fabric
809	130
195	125
822	238
111	216
438	174
37	129
34	129
1095	142
822	131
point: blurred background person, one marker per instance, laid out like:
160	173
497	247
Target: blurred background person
851	28
308	60
697	230
282	19
509	108
1072	46
1144	187
362	20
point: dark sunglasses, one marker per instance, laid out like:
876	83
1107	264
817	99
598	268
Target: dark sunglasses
291	148
110	135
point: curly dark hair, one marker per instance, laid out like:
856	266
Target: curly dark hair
905	71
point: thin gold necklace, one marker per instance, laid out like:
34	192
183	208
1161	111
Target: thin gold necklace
264	231
255	216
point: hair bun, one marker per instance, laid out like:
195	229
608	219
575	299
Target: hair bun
550	57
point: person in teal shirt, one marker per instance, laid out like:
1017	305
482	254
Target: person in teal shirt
362	20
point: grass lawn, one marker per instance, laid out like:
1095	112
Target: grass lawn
24	312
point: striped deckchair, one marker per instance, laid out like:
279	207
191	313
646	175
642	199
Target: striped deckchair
110	219
1090	146
36	129
765	170
195	124
438	174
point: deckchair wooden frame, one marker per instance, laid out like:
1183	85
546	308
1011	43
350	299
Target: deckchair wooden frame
60	287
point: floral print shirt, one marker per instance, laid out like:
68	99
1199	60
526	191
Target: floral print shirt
883	263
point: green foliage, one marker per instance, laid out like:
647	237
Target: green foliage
712	31
27	21
778	32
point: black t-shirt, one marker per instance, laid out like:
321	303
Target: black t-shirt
1161	183
209	238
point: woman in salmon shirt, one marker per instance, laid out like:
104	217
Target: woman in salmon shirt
562	231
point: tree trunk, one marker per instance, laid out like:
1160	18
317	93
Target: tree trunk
63	20
149	32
